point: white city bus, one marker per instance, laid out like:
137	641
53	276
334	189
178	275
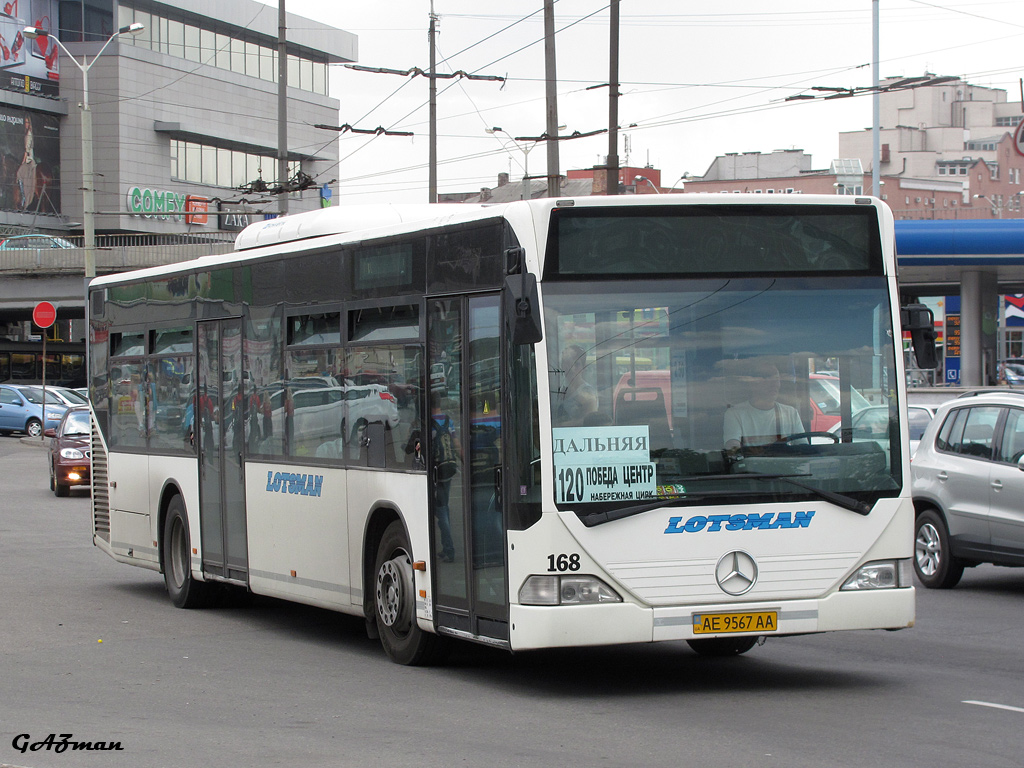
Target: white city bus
507	423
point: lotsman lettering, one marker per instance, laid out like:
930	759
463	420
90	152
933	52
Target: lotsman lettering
675	525
716	522
803	519
758	521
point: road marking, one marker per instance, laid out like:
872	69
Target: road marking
994	706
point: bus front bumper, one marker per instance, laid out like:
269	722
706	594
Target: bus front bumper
533	627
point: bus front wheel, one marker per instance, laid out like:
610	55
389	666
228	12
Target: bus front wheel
395	603
184	591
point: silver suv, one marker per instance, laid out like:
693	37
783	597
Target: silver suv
968	485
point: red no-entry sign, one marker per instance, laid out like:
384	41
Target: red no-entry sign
44	314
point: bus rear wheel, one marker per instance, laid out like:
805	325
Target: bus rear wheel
395	603
722	646
184	591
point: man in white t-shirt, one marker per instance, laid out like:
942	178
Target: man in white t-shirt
761	419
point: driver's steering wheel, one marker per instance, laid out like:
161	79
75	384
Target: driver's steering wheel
807	436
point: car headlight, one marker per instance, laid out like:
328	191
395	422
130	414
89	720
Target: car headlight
881	574
566	590
71	453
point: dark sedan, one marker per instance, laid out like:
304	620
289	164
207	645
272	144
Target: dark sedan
70	451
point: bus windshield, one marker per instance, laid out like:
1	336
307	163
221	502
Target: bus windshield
706	391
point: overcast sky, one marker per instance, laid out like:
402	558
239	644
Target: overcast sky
698	80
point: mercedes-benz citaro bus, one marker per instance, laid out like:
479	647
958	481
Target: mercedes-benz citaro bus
560	422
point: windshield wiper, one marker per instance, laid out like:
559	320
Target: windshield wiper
596	518
839	499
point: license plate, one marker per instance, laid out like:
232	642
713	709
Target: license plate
721	623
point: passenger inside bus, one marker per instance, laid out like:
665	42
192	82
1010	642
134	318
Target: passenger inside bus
762	418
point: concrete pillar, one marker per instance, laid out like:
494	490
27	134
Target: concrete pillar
979	325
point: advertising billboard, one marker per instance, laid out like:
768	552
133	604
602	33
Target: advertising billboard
29	66
29	161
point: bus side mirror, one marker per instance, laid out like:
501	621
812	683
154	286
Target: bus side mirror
920	322
522	309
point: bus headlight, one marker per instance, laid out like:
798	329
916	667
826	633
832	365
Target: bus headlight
566	590
881	574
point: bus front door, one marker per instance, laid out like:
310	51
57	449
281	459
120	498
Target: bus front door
468	557
220	434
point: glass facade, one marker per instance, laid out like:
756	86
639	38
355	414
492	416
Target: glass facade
218	48
221	167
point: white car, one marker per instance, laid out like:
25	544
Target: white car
366	404
68	396
872	423
323	413
968	481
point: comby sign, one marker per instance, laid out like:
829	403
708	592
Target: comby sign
156	203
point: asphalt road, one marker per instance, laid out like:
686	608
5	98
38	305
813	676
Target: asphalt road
92	648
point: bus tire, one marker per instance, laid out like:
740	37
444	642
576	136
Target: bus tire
722	646
395	603
934	563
184	591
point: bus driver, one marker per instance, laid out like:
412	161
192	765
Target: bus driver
761	419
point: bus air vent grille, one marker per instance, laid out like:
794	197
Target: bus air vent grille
100	486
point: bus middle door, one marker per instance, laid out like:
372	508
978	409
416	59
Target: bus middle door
464	426
220	434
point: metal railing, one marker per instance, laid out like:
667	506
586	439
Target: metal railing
115	253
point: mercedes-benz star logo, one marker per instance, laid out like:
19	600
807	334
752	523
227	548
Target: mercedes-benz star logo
736	572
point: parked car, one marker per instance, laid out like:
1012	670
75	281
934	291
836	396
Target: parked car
22	411
366	404
826	399
35	241
55	404
70	454
1012	372
68	396
968	481
872	423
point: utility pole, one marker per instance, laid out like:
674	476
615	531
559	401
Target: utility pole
551	86
282	107
613	101
432	158
876	146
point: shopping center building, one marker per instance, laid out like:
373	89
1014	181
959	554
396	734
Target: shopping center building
185	114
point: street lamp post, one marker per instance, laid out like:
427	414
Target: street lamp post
638	179
997	208
524	193
88	198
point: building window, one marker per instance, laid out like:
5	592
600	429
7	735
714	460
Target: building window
221	167
207	46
